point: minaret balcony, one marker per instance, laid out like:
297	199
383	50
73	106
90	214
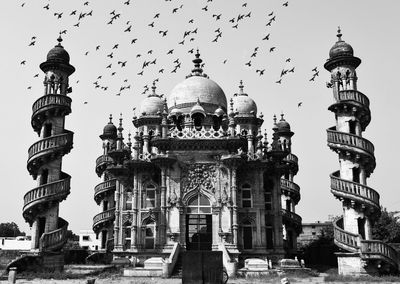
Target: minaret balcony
378	250
353	95
103	189
291	188
56	239
354	191
350	142
103	219
291	218
101	163
53	145
52	191
291	158
49	105
343	239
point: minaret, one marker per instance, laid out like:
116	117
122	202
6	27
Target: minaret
357	161
41	204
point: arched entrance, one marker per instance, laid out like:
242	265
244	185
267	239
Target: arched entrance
198	223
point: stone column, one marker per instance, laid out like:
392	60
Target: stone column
234	206
163	205
277	208
118	210
135	210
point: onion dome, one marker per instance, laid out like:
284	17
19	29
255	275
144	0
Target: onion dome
197	86
58	53
58	56
153	104
283	125
340	48
219	112
197	108
109	131
243	104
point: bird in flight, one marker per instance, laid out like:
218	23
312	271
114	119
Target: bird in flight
205	8
315	69
47	7
266	37
279	81
260	71
23	62
248	63
299	104
285	4
287	60
133	40
272	49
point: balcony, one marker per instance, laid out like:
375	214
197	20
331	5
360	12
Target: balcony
104	188
293	218
351	142
43	105
373	249
57	190
291	158
52	145
198	134
292	188
56	239
102	218
353	190
353	95
101	163
343	239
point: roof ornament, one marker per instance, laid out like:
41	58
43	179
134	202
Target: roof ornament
282	119
59	39
339	34
274	119
197	71
110	122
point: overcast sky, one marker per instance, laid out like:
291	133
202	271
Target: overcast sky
303	31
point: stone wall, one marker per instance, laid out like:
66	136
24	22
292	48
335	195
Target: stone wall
6	256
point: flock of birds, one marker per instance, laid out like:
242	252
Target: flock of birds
147	59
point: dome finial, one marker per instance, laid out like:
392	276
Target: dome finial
59	39
110	118
197	63
154	88
339	34
282	116
274	119
241	87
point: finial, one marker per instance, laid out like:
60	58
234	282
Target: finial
197	64
261	115
265	134
59	39
231	104
339	34
120	120
282	116
110	118
274	119
154	87
241	87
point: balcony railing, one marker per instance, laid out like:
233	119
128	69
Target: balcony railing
291	158
102	160
290	186
292	216
51	143
103	217
344	239
378	249
104	187
352	95
358	190
51	189
55	239
47	101
350	140
198	134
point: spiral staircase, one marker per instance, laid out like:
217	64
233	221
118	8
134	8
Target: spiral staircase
353	231
41	204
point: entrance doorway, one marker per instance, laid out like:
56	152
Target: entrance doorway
199	224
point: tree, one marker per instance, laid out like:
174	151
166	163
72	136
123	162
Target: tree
10	230
387	227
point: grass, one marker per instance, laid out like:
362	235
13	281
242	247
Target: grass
366	278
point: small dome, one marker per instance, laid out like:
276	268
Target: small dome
175	112
197	86
197	108
219	112
153	104
283	125
340	48
243	104
109	131
58	53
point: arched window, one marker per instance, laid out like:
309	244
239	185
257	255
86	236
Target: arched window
47	130
128	235
150	235
246	196
198	120
44	176
268	188
199	204
247	235
149	196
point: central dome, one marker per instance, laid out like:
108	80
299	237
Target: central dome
186	94
197	87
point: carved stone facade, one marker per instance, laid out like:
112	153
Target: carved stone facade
199	175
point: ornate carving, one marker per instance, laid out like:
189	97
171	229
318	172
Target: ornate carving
173	199
200	176
126	218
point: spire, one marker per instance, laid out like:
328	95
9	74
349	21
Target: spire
339	34
120	128
110	122
197	62
282	119
153	88
274	119
241	92
59	39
